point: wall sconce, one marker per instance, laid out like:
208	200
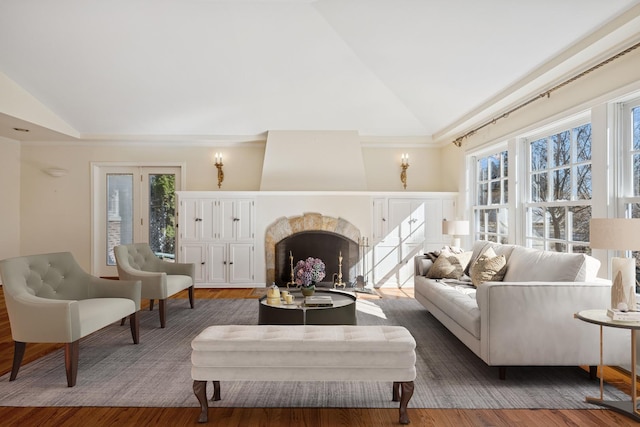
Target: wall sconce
404	165
56	172
219	165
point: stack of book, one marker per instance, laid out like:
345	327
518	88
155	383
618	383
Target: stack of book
318	301
627	316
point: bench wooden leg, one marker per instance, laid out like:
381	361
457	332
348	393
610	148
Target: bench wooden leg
200	390
402	391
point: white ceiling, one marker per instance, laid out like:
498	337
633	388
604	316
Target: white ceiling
422	69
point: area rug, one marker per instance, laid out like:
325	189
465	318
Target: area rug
156	373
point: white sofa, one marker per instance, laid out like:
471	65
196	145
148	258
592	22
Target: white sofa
527	319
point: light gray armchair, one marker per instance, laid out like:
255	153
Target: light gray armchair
51	299
160	279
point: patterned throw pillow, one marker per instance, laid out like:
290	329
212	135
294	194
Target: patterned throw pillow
449	265
488	268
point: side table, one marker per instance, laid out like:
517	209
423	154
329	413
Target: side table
599	317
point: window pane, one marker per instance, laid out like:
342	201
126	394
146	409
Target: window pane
556	223
492	221
505	191
580	218
636	174
495	166
581	249
483	173
539	187
636	128
119	213
162	232
582	135
561	146
561	184
505	164
503	221
483	190
557	247
583	182
495	192
536	217
539	154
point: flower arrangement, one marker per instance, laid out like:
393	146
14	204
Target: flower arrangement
308	272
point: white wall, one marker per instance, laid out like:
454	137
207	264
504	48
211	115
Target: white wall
56	212
9	198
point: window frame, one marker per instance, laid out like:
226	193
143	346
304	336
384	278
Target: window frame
547	242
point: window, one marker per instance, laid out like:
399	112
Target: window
559	187
630	167
491	197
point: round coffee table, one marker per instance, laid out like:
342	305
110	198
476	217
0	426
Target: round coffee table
342	312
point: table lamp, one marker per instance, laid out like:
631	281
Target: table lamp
622	234
456	229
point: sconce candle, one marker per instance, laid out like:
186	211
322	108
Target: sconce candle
404	166
218	164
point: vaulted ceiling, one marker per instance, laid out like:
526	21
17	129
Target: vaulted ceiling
207	69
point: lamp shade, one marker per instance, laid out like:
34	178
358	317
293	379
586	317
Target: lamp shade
455	228
621	234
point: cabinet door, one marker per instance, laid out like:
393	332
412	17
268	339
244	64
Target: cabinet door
245	224
189	219
217	263
241	263
228	219
210	223
417	222
194	253
379	220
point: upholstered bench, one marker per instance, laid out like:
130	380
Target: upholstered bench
327	353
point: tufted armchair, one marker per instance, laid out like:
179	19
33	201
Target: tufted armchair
50	299
160	279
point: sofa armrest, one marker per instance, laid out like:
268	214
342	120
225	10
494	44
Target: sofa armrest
185	269
36	319
106	288
532	323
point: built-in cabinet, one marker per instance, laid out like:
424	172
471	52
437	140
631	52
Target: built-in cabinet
218	236
403	228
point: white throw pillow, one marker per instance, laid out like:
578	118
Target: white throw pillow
489	267
449	265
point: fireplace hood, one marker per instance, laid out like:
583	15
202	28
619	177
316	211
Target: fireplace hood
313	161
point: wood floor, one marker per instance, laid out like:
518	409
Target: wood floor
276	417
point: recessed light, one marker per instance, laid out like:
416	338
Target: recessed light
21	130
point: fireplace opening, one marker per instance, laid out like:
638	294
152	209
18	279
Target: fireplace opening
317	244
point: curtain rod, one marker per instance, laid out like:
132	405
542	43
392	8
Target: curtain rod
546	94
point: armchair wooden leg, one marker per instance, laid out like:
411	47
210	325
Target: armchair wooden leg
19	348
191	300
162	308
71	356
123	321
134	320
151	305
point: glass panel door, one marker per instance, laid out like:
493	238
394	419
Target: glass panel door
133	204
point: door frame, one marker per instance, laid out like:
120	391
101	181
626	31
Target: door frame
96	212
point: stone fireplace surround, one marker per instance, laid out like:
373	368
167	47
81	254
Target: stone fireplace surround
284	228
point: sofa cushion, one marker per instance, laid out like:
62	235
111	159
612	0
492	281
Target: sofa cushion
454	298
449	265
488	268
531	265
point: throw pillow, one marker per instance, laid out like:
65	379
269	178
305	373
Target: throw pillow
488	268
449	265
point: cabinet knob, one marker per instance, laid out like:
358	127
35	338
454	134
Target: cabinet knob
231	263
224	262
236	219
202	263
